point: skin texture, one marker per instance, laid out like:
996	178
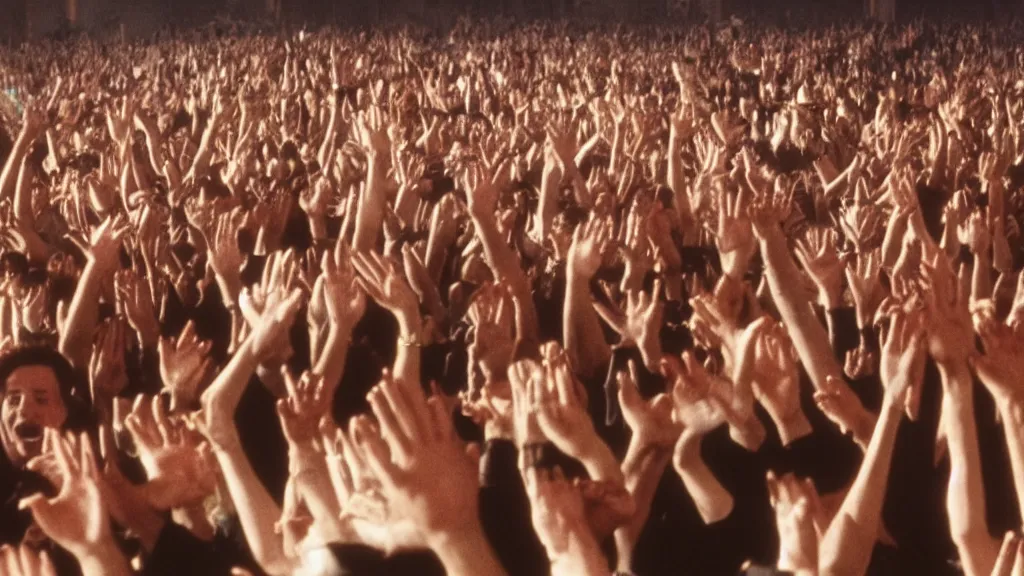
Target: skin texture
282	262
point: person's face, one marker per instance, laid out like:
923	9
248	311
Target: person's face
30	403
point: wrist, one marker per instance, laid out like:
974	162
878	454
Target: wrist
102	559
793	427
455	540
953	370
831	297
686	453
581	556
149	334
339	330
302	456
646	446
410	325
317	226
230	287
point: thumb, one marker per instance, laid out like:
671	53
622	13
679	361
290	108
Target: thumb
35	503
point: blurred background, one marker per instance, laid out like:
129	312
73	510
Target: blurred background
35	19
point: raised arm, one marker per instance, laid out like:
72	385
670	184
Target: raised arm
482	191
951	344
30	130
584	340
843	552
257	511
76	336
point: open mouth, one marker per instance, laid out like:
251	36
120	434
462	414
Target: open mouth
28	431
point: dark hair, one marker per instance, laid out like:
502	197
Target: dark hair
67	378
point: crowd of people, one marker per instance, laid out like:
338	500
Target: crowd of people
514	299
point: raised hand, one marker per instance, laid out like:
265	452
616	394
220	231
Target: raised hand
636	250
177	462
950	338
372	133
482	187
76	518
382	280
108	375
713	322
559	517
777	381
317	198
862	222
346	466
185	365
817	252
975	233
136	303
798	518
33	305
424	473
307	403
736	242
222	251
902	359
105	242
840	405
860	362
589	243
772	205
1001	368
491	313
269	308
650	420
344	300
694	407
560	411
862	275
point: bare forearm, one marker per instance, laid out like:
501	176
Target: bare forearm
714	503
615	161
505	266
11	169
327	147
37	249
312	480
892	244
863	502
467	554
981	276
370	216
257	511
547	206
584	339
642	469
809	337
583	558
407	358
76	339
677	180
1013	418
201	163
105	560
965	499
600	463
331	364
227	388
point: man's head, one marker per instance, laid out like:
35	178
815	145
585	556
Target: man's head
35	393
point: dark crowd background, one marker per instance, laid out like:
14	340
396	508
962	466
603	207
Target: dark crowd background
135	18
